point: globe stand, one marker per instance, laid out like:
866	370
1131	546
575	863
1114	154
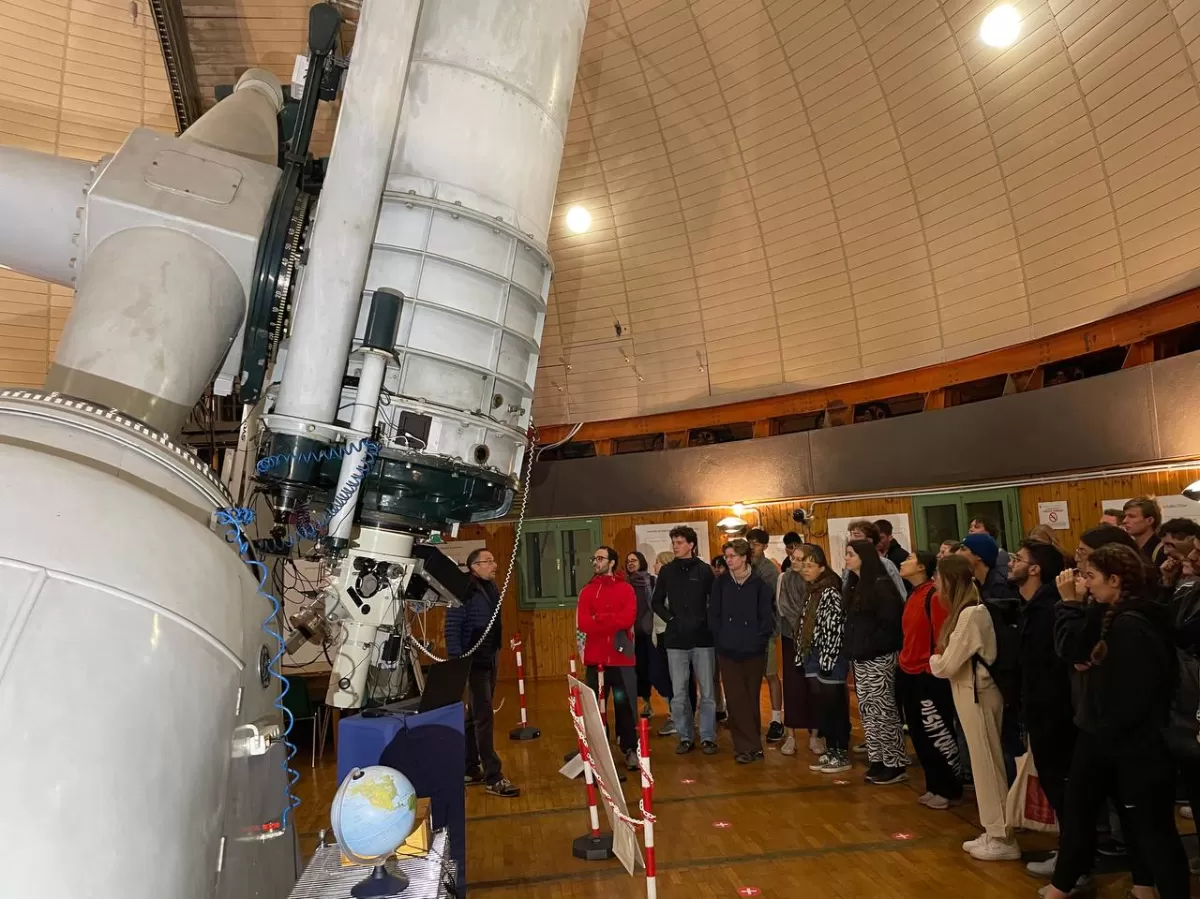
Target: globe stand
380	884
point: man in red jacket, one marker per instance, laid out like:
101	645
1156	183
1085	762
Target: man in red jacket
606	612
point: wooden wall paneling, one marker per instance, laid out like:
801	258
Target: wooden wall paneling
1084	498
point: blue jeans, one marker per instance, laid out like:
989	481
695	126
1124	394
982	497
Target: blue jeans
684	663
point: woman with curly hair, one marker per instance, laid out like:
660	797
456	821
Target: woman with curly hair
1128	678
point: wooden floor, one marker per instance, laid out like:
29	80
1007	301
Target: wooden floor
791	833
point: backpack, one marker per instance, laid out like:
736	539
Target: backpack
1006	669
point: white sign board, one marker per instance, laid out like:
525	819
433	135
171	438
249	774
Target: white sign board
625	841
839	535
1055	515
653	539
1175	506
777	551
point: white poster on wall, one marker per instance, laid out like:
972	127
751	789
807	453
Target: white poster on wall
1055	515
653	539
839	536
1175	506
777	551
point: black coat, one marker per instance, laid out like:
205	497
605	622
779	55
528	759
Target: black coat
1045	677
873	628
681	600
741	616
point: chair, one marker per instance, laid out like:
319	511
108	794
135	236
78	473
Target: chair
299	702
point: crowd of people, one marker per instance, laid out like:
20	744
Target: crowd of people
1088	664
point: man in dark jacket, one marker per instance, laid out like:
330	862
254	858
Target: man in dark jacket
1045	678
983	553
681	600
465	626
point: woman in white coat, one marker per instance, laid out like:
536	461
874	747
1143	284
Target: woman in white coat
967	637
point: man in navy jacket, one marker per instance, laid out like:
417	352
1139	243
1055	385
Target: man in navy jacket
467	625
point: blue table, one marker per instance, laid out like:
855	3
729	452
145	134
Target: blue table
429	749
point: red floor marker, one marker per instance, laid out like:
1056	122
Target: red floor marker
688	781
841	783
722	825
902	836
749	891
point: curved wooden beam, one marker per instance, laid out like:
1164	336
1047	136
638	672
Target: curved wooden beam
1118	330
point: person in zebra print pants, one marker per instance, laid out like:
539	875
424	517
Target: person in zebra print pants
874	609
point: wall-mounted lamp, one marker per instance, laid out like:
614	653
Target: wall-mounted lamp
732	526
1192	491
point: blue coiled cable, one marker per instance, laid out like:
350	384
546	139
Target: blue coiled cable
235	521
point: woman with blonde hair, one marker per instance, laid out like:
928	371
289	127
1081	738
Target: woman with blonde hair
967	638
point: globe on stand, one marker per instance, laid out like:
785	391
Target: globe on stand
374	812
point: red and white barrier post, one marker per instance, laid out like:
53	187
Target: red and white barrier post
602	697
593	846
524	732
647	806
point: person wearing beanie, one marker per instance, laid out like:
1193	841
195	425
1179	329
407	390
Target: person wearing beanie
982	551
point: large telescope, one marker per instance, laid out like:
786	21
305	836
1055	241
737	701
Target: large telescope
380	316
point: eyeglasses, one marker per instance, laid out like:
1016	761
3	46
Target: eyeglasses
484	562
599	558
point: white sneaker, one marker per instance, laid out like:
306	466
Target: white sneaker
789	744
924	797
936	802
971	844
821	762
816	745
1043	869
993	850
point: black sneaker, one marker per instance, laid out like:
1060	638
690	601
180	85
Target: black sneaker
1112	848
876	769
684	747
746	758
708	747
722	714
889	776
504	787
473	778
775	732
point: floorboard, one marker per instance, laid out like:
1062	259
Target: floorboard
792	832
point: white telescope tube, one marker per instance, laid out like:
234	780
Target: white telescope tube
43	199
362	419
332	287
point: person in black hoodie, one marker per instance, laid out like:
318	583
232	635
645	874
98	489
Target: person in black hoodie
741	615
1128	675
681	600
466	626
1045	678
874	636
637	574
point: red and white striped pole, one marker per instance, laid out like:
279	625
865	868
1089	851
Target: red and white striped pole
593	846
524	732
574	673
647	806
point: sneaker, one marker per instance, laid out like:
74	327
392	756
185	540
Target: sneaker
924	797
994	850
684	747
1112	848
708	747
836	764
816	745
789	744
936	802
875	769
775	732
1043	869
668	729
745	758
971	844
473	778
631	760
888	776
504	787
820	763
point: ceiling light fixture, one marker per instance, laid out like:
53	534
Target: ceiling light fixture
578	220
1001	27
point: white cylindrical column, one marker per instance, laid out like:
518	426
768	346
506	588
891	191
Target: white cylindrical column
331	290
246	122
155	313
362	419
43	198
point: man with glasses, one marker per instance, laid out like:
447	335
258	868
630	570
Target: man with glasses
606	612
477	620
